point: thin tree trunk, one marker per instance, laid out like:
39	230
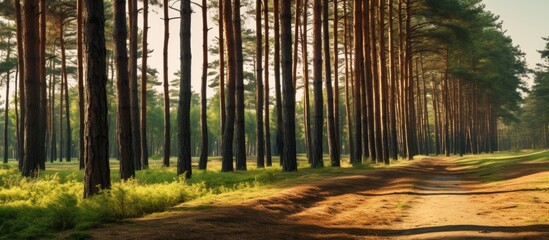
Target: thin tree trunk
42	86
144	68
240	132
17	124
124	127
278	94
268	153
136	136
96	142
307	106
336	79
393	143
289	150
228	127
167	121
259	88
22	80
333	148
356	149
66	87
184	106
384	86
203	101
317	85
6	108
221	64
297	18
80	84
347	78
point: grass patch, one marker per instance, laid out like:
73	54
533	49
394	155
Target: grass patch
498	167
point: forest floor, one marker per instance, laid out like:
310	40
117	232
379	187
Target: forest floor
431	198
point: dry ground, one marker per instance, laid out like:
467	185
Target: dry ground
433	198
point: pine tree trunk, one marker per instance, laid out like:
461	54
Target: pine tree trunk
356	149
124	127
96	144
228	127
268	153
144	68
393	144
278	94
259	88
22	95
65	86
184	106
384	86
317	85
307	105
43	99
333	148
222	97
80	84
336	80
240	133
289	161
166	84
368	117
347	79
203	98
136	135
6	108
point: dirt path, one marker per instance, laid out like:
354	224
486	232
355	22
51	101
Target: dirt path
430	199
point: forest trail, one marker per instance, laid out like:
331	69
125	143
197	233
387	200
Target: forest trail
432	198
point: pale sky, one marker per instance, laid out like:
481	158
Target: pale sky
526	21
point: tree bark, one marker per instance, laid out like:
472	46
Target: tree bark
144	68
203	98
317	85
32	142
333	148
66	87
228	128
43	98
268	153
167	119
96	142
184	107
80	84
289	161
136	136
124	127
222	97
259	88
278	94
240	132
6	108
22	95
356	149
307	106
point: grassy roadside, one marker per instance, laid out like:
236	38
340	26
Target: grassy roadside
505	166
52	203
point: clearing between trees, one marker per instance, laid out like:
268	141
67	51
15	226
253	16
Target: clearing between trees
431	198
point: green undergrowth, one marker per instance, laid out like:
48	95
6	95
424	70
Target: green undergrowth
40	208
502	166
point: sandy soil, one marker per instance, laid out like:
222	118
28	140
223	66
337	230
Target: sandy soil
429	199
